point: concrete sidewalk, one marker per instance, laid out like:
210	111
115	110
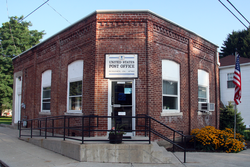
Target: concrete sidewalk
202	159
17	153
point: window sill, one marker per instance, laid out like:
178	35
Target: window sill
45	113
172	114
73	113
204	113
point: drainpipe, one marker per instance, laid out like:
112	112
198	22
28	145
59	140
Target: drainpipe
146	33
216	90
189	87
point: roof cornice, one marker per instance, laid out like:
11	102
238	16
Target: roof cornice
113	11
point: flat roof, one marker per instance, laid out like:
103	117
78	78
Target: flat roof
114	11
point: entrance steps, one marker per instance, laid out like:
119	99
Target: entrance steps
104	152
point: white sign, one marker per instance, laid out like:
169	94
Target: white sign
121	113
121	66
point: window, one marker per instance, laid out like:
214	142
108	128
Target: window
203	86
202	94
46	91
170	86
170	95
230	83
75	76
46	98
75	95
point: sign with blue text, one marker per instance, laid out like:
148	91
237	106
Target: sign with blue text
121	66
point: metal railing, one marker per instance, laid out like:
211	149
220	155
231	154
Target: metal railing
174	132
85	127
61	127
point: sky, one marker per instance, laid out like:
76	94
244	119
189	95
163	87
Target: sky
206	18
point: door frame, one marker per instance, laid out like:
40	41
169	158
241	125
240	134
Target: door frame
18	98
133	103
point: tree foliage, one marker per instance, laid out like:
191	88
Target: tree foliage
227	119
237	41
15	38
22	36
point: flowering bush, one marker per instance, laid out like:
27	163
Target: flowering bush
210	139
117	131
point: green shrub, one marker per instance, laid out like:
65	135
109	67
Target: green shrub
246	134
5	120
227	119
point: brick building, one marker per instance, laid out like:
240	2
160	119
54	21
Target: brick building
124	62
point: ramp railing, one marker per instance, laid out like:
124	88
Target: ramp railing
84	128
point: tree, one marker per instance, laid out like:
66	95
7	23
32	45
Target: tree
15	38
6	82
227	119
237	41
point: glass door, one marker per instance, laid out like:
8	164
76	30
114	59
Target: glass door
122	106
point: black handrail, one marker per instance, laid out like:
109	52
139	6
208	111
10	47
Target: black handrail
169	140
83	129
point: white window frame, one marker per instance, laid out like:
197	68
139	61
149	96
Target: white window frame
230	79
171	72
75	73
203	81
18	95
46	82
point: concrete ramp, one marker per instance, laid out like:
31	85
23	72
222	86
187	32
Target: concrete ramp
106	153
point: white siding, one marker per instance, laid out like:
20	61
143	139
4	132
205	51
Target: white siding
227	94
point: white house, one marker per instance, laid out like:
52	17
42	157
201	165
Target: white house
227	87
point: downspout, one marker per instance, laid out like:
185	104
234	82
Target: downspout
216	91
189	86
146	31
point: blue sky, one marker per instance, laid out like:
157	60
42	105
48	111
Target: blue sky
207	18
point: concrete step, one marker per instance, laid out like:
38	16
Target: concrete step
105	152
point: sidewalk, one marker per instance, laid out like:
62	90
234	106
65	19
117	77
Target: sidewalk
17	153
201	159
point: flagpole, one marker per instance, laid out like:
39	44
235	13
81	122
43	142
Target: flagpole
237	90
235	110
235	107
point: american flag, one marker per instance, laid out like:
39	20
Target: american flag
237	81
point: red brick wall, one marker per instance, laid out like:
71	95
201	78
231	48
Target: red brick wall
145	34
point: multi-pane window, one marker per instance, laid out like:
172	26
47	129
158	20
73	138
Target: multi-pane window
46	98
170	95
230	83
75	95
203	86
170	86
46	91
75	77
202	94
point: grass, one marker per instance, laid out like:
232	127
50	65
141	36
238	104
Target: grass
5	120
